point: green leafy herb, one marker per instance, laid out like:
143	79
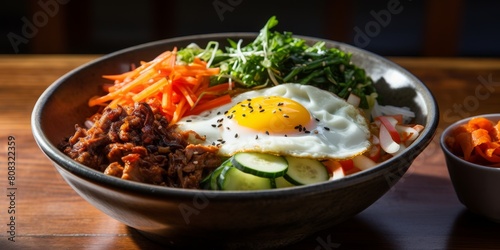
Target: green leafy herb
279	57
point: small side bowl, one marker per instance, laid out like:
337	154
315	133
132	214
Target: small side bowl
476	186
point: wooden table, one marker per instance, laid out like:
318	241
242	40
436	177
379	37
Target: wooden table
420	212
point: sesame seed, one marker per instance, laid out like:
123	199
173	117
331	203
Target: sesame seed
228	128
256	137
267	132
189	120
218	113
327	128
286	116
220	124
262	110
243	115
214	125
316	119
299	128
280	104
235	135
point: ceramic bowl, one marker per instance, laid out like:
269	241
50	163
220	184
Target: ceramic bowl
477	187
257	219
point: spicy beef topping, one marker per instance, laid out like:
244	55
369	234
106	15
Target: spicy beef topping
136	143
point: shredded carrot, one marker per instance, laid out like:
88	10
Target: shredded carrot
150	90
211	104
177	89
219	88
476	141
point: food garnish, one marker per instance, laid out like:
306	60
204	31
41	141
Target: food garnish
153	128
279	57
477	141
177	88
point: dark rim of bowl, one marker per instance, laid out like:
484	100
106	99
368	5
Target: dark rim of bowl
97	177
446	150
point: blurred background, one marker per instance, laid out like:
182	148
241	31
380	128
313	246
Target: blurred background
468	28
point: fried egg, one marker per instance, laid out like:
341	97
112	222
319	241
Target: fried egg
287	119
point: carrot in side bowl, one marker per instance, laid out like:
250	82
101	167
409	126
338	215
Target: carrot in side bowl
177	88
477	141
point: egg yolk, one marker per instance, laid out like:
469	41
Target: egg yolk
271	115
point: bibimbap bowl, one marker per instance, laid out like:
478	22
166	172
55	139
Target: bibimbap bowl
257	219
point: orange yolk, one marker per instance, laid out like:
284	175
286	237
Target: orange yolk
271	115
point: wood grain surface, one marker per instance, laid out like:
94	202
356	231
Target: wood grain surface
420	212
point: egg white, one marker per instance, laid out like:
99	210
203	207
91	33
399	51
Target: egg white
338	130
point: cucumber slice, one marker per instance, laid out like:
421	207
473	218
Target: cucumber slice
260	164
232	178
205	183
215	175
281	182
273	182
303	171
212	182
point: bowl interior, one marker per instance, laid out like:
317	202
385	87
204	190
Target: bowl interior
64	103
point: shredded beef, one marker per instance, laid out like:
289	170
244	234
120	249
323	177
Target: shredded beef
137	144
